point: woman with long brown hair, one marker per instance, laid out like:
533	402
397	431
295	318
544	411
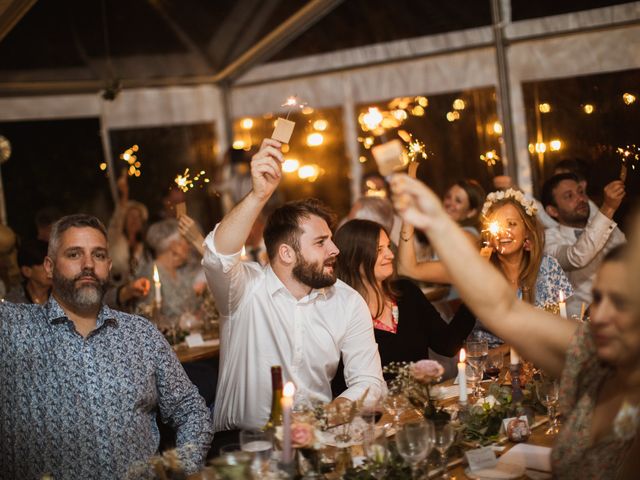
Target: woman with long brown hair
405	323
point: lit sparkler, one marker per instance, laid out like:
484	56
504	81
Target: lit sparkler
417	149
490	157
185	182
631	153
292	103
129	156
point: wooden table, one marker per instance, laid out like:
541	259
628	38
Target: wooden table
186	354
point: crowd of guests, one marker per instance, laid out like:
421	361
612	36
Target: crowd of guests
326	306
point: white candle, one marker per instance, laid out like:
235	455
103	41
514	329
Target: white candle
462	377
514	358
562	304
287	402
158	285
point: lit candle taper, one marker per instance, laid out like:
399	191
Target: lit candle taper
158	285
462	377
562	304
514	358
287	402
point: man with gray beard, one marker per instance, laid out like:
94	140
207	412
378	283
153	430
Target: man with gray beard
81	383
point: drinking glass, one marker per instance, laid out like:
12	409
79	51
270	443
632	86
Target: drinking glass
495	361
377	451
477	353
414	441
258	443
548	392
444	437
395	404
232	464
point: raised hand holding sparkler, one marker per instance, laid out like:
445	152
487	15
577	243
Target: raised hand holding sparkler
284	127
631	153
266	168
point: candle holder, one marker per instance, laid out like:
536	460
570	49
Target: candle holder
516	395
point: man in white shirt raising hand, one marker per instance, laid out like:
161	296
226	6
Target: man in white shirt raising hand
580	241
292	312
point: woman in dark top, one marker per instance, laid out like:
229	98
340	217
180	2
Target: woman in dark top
405	323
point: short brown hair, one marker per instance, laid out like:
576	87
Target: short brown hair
283	225
78	220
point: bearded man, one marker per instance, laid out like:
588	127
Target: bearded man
582	237
291	313
81	383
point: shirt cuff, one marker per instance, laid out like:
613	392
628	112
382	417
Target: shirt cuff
601	222
211	254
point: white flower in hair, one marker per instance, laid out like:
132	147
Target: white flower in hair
529	206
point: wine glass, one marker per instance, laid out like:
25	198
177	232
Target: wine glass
495	361
414	441
477	352
548	392
259	443
443	439
395	404
377	451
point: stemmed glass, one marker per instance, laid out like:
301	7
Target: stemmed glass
444	437
495	361
477	352
395	404
548	393
377	451
414	441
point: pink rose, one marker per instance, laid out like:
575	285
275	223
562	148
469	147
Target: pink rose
426	371
302	435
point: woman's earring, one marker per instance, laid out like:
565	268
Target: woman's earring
527	245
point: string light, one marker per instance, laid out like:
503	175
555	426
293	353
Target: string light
372	118
246	123
458	104
555	145
290	165
544	107
315	139
588	108
320	125
628	98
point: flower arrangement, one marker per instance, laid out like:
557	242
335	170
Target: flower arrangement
529	206
414	380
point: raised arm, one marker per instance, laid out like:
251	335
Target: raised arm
266	173
540	336
191	232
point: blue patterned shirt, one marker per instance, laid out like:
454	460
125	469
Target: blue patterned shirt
86	407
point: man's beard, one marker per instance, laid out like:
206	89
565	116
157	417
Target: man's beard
577	216
85	297
313	275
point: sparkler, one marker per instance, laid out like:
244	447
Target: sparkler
629	154
185	182
129	156
292	102
490	157
283	126
417	149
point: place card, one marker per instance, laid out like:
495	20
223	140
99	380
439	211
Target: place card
194	340
181	209
532	457
389	157
283	130
481	458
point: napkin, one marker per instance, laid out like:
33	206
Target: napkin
444	393
502	471
531	456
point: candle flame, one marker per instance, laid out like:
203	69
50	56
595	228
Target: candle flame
289	389
463	355
561	296
156	277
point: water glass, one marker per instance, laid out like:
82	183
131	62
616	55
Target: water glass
260	445
548	392
414	441
377	451
444	437
232	464
477	353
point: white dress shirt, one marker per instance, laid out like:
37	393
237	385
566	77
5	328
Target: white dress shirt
580	252
262	324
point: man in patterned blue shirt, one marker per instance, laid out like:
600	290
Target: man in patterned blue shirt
81	384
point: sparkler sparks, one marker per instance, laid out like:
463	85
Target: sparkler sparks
417	149
291	103
490	157
185	183
129	156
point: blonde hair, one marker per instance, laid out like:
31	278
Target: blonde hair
532	257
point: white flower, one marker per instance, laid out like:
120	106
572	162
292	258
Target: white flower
626	422
487	402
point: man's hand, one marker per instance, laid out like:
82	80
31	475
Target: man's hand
414	201
613	195
123	185
266	168
137	288
190	231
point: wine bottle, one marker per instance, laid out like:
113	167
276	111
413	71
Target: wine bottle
275	419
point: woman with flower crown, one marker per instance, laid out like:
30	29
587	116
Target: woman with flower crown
516	239
597	362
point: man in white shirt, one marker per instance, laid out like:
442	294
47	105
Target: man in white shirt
580	242
291	312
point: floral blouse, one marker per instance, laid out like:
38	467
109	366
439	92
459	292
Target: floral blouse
573	456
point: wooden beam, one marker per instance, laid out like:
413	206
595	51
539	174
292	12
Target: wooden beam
11	11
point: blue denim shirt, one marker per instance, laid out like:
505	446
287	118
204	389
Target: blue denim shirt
86	407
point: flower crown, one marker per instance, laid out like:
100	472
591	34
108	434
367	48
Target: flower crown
529	206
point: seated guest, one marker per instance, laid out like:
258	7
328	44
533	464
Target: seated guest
81	383
181	281
36	285
578	242
517	250
291	313
597	362
405	323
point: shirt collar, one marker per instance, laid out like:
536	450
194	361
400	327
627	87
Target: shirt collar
54	313
274	285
